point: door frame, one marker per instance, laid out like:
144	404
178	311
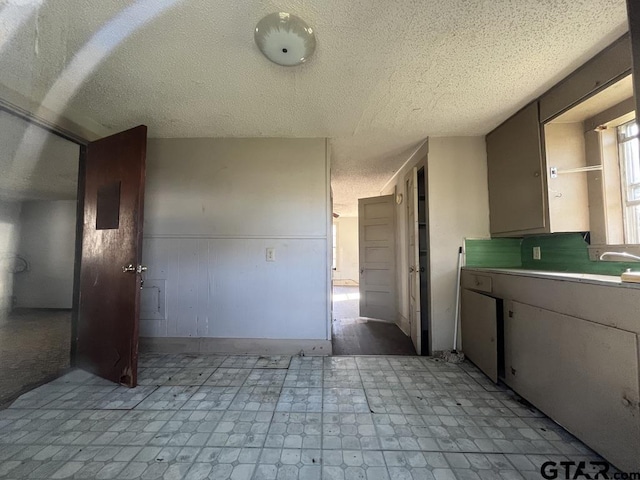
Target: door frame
413	257
75	303
57	129
425	300
425	276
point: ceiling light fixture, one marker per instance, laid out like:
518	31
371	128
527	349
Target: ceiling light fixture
285	39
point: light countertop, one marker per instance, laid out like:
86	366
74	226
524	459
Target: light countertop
608	280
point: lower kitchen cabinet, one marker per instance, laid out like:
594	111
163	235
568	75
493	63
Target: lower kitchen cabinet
582	374
568	345
478	326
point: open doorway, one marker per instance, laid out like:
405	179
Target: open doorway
38	205
357	330
417	236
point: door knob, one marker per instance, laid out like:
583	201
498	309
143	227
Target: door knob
141	268
411	269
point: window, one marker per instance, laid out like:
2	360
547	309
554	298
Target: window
334	265
629	157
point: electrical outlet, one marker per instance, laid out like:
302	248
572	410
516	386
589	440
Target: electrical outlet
271	254
536	253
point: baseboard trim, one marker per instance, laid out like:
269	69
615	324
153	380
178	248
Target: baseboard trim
236	346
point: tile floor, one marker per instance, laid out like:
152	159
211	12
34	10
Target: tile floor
300	418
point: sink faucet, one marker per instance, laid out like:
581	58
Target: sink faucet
620	254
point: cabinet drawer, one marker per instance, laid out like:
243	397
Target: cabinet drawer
473	281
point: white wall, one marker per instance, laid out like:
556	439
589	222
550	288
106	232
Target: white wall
47	242
347	255
9	234
458	207
212	208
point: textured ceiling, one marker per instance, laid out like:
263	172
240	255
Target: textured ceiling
385	75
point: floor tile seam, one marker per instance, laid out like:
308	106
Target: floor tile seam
465	452
208	377
321	450
363	389
255	466
412	450
167	384
235	394
41	406
143	399
273	413
476	381
211	434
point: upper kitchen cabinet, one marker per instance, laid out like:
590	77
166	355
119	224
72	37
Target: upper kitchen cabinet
515	166
601	71
539	158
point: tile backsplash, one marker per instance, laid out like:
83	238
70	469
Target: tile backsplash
566	252
496	253
559	252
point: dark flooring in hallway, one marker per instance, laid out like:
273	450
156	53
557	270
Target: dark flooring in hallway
354	335
34	348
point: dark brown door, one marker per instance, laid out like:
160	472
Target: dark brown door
110	271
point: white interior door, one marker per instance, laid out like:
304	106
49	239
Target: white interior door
413	257
376	224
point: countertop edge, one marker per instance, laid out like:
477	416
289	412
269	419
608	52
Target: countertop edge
614	281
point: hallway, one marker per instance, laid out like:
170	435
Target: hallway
355	335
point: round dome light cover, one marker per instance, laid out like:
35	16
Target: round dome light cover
285	39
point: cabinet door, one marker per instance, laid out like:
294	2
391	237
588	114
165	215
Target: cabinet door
514	160
582	374
478	326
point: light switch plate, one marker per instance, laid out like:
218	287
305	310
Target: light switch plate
271	254
536	253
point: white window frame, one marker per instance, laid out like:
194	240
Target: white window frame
595	250
629	205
